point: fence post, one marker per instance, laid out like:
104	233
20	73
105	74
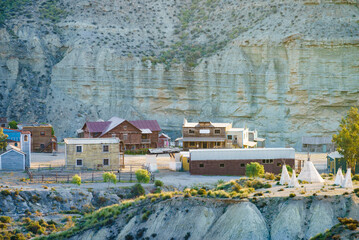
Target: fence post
39	168
42	178
50	167
131	173
56	177
119	175
68	178
92	177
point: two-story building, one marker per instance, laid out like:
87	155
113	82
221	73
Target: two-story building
202	135
3	122
133	134
42	137
93	153
197	135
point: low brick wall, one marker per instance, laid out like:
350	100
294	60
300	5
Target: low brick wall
234	167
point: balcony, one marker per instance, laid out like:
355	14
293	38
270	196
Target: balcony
145	141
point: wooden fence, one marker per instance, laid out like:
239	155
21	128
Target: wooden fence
64	175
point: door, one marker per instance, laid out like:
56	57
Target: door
204	145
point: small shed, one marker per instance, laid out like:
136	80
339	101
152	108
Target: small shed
163	141
12	160
335	161
184	158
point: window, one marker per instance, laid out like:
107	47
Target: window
78	149
124	136
201	165
15	144
105	148
229	137
133	147
3	125
267	161
113	134
191	131
243	165
217	131
218	144
191	144
42	133
106	162
124	127
187	160
42	146
78	162
25	138
221	165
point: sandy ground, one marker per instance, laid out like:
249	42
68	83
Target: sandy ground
179	180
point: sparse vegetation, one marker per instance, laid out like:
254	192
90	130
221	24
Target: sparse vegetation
137	190
143	176
254	169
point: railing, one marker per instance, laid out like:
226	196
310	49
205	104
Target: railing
145	140
55	175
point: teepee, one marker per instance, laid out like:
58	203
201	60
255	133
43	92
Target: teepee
310	174
347	183
284	179
293	181
339	177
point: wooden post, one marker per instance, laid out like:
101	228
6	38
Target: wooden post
50	167
68	178
131	173
119	175
92	177
39	168
42	178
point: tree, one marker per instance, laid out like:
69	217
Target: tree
109	177
254	169
347	140
13	125
3	137
143	176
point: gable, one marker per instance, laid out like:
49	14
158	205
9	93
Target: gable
125	124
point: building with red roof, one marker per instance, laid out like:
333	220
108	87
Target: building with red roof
133	134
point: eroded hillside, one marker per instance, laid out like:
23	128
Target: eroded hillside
286	68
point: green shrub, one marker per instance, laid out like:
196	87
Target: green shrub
76	179
3	226
5	192
35	228
258	194
292	195
269	176
256	184
254	169
109	177
158	183
5	219
143	176
137	190
202	192
289	168
356	177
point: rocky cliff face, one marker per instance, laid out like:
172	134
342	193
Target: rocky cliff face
288	69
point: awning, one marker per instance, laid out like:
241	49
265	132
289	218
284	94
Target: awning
259	139
250	144
146	131
203	139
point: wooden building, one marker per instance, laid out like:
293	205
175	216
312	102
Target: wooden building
317	144
233	161
17	158
42	137
199	135
93	153
164	141
3	122
203	135
335	161
133	134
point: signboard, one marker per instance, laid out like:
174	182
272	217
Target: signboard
204	131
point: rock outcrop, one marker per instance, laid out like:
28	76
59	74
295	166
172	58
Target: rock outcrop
288	69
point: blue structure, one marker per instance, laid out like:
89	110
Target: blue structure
16	159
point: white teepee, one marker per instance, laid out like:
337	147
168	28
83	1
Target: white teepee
284	179
294	181
347	183
339	177
310	174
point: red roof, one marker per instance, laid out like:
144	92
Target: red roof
97	126
150	124
17	130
